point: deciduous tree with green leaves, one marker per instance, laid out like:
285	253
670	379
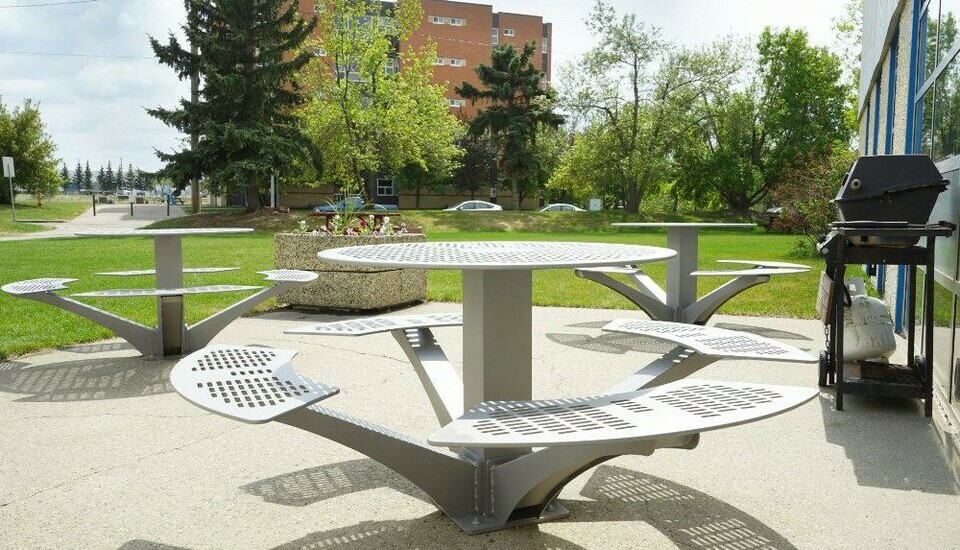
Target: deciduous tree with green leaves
372	109
23	136
243	117
643	95
515	108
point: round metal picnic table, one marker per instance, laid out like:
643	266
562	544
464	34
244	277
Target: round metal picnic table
168	262
497	297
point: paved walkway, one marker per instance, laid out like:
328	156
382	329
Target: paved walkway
109	216
97	452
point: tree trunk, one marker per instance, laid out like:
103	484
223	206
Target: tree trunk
633	198
515	187
252	195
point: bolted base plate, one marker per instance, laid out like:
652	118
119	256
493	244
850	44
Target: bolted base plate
476	525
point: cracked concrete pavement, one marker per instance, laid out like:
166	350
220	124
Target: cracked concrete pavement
98	452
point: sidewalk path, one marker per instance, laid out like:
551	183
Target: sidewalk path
108	217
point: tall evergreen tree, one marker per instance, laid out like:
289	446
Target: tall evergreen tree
78	176
243	116
65	176
87	177
102	182
120	180
516	107
109	182
131	178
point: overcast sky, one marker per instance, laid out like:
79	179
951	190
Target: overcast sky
93	92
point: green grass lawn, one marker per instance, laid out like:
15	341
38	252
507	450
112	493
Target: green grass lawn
28	326
56	208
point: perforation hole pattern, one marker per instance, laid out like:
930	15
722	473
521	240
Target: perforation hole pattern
373	324
562	416
239	362
709	400
289	275
34	286
717	340
256	391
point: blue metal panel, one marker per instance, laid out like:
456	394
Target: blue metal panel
892	90
876	115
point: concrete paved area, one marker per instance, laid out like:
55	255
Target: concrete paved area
109	216
97	452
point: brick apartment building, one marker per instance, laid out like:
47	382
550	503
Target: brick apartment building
465	34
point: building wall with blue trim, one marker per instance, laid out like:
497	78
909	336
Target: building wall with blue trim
916	42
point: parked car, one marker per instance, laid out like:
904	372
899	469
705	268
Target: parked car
475	206
355	204
561	207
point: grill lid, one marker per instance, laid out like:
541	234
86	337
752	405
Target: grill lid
875	176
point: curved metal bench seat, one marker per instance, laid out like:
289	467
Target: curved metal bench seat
35	286
134	292
677	409
375	325
248	384
764	263
289	275
712	341
138	272
759	271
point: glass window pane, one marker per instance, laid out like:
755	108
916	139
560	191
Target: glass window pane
924	123
946	124
928	42
949	20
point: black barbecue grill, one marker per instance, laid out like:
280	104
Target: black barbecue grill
884	205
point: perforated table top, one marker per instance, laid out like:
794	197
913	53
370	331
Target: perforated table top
681	408
487	255
374	325
162	232
712	341
249	384
133	292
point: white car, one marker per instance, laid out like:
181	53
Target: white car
475	206
561	207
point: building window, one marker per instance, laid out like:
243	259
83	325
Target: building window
454	62
437	20
543	45
384	187
456	103
438	61
458	21
495	36
507	31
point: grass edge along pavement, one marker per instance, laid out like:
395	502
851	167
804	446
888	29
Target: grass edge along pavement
54	209
29	326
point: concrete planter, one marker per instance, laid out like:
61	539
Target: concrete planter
346	287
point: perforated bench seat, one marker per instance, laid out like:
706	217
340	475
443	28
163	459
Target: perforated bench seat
713	342
681	408
137	272
764	263
134	292
748	272
249	384
289	275
624	269
374	325
36	286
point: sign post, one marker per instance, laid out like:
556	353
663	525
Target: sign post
9	173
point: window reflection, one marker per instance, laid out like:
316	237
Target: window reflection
924	122
949	21
928	41
946	140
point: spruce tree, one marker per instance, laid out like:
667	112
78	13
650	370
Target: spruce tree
87	177
247	91
108	180
78	176
101	180
132	181
64	176
120	180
